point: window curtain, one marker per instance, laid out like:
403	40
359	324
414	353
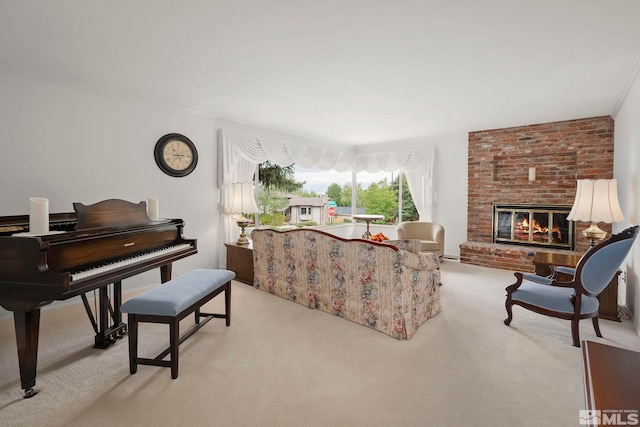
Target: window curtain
421	190
240	151
235	169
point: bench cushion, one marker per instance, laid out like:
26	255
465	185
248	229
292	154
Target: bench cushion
173	297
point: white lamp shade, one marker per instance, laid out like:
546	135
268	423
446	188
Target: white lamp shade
596	201
242	198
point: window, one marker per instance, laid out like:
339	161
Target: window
376	193
334	186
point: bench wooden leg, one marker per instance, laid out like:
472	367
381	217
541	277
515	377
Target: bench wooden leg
227	303
133	343
174	344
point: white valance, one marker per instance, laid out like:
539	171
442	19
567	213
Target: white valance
324	156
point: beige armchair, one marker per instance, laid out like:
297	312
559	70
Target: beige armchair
431	235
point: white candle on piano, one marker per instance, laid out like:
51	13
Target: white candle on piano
38	215
152	208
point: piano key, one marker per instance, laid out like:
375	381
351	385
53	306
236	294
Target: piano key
79	275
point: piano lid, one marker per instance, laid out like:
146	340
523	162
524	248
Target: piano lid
108	214
16	224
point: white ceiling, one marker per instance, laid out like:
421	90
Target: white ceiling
350	71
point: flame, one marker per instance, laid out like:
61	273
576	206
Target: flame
523	226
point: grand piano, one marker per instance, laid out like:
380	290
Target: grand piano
91	249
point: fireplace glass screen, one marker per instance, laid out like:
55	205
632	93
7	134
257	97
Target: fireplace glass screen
533	225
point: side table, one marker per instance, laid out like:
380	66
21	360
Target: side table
368	218
240	261
545	262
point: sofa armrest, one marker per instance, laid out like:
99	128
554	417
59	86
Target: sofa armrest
420	261
409	245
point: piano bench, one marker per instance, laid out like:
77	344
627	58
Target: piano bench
171	302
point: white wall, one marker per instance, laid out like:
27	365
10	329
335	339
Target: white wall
72	144
450	190
627	172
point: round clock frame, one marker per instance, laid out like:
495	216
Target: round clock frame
182	161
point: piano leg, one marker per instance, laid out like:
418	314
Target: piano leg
165	272
27	325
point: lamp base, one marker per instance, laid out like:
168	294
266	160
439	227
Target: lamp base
594	234
242	239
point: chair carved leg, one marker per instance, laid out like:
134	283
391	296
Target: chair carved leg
575	332
508	306
596	326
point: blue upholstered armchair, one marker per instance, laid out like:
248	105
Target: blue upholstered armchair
578	298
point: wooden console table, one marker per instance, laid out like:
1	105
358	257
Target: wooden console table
611	382
240	261
545	262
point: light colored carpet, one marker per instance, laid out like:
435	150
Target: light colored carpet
281	364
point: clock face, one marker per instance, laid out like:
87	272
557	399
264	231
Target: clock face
176	155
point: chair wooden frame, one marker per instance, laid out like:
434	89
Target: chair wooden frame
576	284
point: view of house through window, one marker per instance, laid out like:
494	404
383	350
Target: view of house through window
297	196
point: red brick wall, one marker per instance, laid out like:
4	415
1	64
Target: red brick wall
498	172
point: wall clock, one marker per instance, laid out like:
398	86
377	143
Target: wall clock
176	155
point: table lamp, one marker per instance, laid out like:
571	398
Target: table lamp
596	201
242	202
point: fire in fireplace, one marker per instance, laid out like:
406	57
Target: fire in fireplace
533	225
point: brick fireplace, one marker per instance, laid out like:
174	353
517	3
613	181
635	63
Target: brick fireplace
498	173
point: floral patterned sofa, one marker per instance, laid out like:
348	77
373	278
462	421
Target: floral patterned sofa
374	284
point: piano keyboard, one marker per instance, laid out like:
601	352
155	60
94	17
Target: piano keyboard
78	275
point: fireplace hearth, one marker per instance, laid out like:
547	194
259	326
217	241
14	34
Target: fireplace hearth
533	225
